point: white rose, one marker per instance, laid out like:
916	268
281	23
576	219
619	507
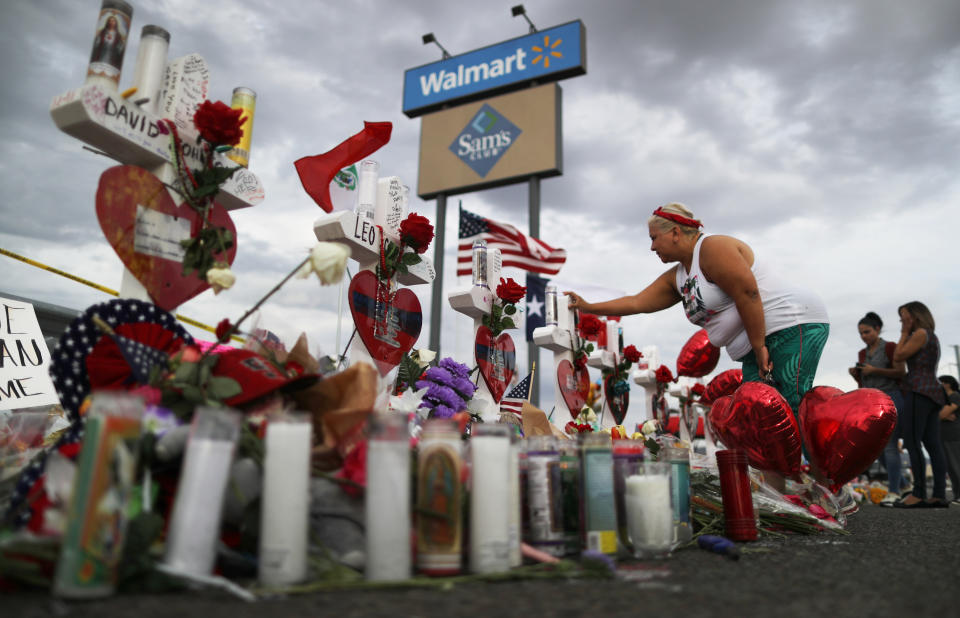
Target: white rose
220	279
650	428
425	357
328	260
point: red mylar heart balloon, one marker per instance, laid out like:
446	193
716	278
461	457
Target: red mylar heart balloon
758	420
724	383
845	432
618	403
388	327
717	417
144	226
574	386
698	357
497	359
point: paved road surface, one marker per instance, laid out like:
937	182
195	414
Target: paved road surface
895	563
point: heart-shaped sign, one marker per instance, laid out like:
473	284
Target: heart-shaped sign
574	386
845	432
497	359
144	226
758	420
698	357
618	402
724	383
388	327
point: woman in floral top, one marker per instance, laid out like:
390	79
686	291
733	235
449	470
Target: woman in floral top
920	422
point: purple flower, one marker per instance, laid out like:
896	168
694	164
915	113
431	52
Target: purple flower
442	411
458	369
444	395
464	387
438	375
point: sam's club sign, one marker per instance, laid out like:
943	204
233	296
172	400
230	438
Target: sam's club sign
484	140
547	55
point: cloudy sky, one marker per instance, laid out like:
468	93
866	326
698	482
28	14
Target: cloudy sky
824	134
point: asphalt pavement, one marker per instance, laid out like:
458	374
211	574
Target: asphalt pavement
894	562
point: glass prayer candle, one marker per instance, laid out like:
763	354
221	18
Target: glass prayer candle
109	43
550	302
151	64
387	498
737	497
480	264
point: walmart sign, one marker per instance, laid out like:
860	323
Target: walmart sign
547	55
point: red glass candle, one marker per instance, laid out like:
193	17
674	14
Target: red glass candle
737	499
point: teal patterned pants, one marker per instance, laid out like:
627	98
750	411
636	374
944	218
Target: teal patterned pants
795	353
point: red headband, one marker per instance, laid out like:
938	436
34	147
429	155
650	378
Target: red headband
659	212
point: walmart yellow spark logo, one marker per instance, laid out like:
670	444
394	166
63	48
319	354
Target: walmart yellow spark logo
548	49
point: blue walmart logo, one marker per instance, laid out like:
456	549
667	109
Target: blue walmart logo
484	140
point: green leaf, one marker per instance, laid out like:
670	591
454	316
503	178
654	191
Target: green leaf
187	372
588	348
221	388
192	393
411	258
510	309
507	323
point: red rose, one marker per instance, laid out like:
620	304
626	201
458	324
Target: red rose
590	325
632	354
664	374
580	361
355	469
416	232
218	123
698	389
223	328
510	291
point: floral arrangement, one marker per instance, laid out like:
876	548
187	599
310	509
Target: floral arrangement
620	371
664	375
509	293
589	325
448	388
416	233
219	130
573	428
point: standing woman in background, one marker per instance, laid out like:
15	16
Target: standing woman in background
920	348
877	369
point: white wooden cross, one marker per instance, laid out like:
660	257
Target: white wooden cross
607	357
561	339
476	302
131	133
645	374
363	236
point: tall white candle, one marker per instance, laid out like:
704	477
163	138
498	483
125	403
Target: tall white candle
284	511
515	503
490	499
387	507
649	514
195	524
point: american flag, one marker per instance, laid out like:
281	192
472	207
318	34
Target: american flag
513	401
518	249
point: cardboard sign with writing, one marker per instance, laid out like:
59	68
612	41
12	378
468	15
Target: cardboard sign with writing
24	359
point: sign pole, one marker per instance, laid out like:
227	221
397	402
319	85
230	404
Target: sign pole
533	204
436	301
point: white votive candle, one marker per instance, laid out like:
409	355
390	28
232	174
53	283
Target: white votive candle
490	499
649	514
195	525
387	500
284	510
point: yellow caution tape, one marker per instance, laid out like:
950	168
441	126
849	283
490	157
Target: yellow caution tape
105	289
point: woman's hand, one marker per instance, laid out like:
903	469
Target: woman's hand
764	364
868	369
575	301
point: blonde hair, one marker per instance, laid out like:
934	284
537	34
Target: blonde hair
920	314
665	225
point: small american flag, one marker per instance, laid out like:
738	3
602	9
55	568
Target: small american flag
518	249
513	401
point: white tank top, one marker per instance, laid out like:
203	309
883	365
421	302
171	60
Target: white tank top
708	306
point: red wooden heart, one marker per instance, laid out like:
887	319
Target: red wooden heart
389	329
758	420
845	432
125	189
497	359
618	403
574	386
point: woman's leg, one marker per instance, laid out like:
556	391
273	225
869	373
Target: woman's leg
951	451
930	437
795	353
912	444
891	452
